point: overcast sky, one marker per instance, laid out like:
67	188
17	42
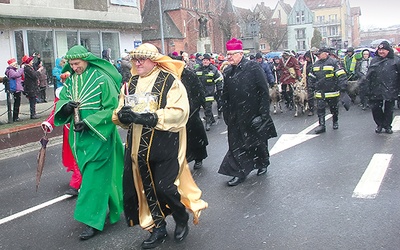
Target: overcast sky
374	14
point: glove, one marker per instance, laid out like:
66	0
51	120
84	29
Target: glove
80	126
146	119
126	115
68	108
345	99
256	122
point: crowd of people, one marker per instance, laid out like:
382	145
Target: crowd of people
28	78
157	98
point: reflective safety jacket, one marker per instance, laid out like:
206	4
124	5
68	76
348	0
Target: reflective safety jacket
212	80
327	79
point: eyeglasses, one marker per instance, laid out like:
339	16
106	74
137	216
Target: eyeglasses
232	53
139	60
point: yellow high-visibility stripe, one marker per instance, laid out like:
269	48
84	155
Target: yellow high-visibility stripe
327	95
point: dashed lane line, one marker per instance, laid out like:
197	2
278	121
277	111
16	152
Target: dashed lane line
33	209
370	182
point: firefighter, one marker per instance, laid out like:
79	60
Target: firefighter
212	79
328	81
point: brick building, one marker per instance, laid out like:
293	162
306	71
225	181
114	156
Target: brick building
191	26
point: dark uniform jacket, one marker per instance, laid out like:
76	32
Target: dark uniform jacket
383	77
211	79
327	78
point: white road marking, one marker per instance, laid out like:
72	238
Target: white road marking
368	186
33	209
396	123
287	141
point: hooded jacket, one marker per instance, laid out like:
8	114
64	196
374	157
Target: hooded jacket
14	73
383	77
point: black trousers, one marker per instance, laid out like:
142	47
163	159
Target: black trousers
287	93
332	103
382	112
208	112
164	175
32	105
17	104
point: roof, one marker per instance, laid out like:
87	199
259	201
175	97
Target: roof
321	4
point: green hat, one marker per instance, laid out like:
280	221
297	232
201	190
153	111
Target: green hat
80	52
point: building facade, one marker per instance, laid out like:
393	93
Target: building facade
300	27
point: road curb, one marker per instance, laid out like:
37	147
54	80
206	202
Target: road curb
28	147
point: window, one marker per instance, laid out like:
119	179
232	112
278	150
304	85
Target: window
64	41
262	46
132	3
320	19
334	31
303	18
333	18
41	42
97	5
91	41
297	17
19	45
111	40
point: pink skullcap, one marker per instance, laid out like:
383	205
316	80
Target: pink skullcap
234	44
175	53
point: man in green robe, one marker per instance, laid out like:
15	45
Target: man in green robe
87	101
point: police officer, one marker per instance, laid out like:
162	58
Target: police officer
212	79
328	80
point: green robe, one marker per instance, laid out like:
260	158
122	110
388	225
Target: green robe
98	150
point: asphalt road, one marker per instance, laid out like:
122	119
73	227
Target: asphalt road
307	200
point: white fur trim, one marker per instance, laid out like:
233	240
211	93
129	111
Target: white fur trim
48	126
58	90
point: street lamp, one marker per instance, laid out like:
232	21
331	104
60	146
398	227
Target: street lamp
161	27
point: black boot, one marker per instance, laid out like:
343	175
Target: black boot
156	238
88	233
335	119
321	128
181	231
198	164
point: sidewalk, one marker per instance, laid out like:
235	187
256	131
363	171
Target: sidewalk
28	130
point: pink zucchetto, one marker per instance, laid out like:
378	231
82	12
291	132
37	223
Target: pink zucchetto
234	44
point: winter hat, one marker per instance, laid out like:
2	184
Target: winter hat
385	45
175	53
192	56
11	61
27	59
323	49
258	55
350	49
234	44
147	50
207	56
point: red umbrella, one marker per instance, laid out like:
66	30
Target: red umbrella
40	159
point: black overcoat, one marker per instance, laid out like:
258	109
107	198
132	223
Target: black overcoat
245	100
383	77
196	134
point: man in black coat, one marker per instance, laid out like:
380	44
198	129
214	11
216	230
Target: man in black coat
246	113
383	79
197	140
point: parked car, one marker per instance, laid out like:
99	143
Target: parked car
271	55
